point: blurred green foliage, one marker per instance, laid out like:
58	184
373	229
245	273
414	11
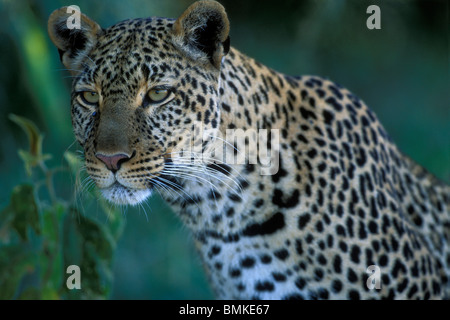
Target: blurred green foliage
40	239
400	71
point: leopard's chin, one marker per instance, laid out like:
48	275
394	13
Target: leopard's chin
121	195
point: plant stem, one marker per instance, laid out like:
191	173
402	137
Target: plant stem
49	182
51	254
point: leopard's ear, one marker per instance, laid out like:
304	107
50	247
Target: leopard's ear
202	32
73	37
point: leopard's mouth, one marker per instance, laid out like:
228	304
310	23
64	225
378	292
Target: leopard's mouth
119	194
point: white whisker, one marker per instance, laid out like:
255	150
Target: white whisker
181	169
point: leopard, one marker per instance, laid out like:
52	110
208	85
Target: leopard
310	198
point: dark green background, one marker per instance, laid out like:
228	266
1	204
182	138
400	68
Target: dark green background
400	71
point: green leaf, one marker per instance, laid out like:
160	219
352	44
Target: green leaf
6	218
15	261
89	245
51	258
116	222
34	136
51	222
31	161
28	160
25	210
30	293
50	294
75	162
33	157
17	253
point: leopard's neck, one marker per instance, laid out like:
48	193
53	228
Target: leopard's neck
245	105
220	203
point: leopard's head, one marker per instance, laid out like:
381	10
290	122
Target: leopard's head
140	88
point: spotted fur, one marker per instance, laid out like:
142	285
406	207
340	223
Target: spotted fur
343	196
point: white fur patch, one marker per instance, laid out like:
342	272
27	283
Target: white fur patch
118	194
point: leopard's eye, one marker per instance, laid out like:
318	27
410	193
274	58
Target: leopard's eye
158	94
90	97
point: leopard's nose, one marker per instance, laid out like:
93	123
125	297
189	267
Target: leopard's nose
113	162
